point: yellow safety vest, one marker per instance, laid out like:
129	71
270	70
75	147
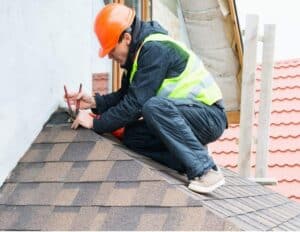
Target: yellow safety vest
194	83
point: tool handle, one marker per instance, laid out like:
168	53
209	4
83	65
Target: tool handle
68	102
78	101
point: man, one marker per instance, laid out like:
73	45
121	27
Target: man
169	104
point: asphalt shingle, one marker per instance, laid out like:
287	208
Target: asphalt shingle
77	180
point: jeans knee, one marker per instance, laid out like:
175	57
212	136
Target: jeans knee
152	106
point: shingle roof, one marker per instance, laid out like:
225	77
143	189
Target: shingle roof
78	180
284	147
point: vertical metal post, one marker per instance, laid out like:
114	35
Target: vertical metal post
247	99
265	102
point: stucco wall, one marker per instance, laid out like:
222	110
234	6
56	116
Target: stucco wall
44	45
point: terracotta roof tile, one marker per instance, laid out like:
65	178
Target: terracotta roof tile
284	143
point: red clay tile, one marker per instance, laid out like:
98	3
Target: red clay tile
284	142
100	83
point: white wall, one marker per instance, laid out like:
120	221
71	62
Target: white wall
43	45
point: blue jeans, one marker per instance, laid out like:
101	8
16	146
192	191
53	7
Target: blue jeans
175	133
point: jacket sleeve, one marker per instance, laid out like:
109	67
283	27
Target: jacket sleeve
152	68
104	102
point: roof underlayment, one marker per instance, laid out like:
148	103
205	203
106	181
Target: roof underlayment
214	35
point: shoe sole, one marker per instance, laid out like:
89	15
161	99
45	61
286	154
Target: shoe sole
199	189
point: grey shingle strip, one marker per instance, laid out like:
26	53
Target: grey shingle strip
243	206
37	153
84	219
97	194
218	208
245	225
78	151
74	151
248	223
84	175
63	134
123	170
24	217
111	218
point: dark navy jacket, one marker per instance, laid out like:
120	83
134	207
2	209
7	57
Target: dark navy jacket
157	60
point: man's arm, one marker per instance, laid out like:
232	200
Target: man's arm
104	102
152	69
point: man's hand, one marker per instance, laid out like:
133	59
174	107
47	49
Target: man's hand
84	119
86	101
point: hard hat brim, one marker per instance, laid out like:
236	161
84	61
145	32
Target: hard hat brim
103	52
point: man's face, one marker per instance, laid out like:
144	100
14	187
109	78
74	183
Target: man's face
120	52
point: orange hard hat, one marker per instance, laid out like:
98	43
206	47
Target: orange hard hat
110	22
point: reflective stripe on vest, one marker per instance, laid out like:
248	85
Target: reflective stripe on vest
194	83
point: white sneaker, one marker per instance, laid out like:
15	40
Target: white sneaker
208	182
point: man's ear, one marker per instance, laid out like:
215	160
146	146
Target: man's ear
127	38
